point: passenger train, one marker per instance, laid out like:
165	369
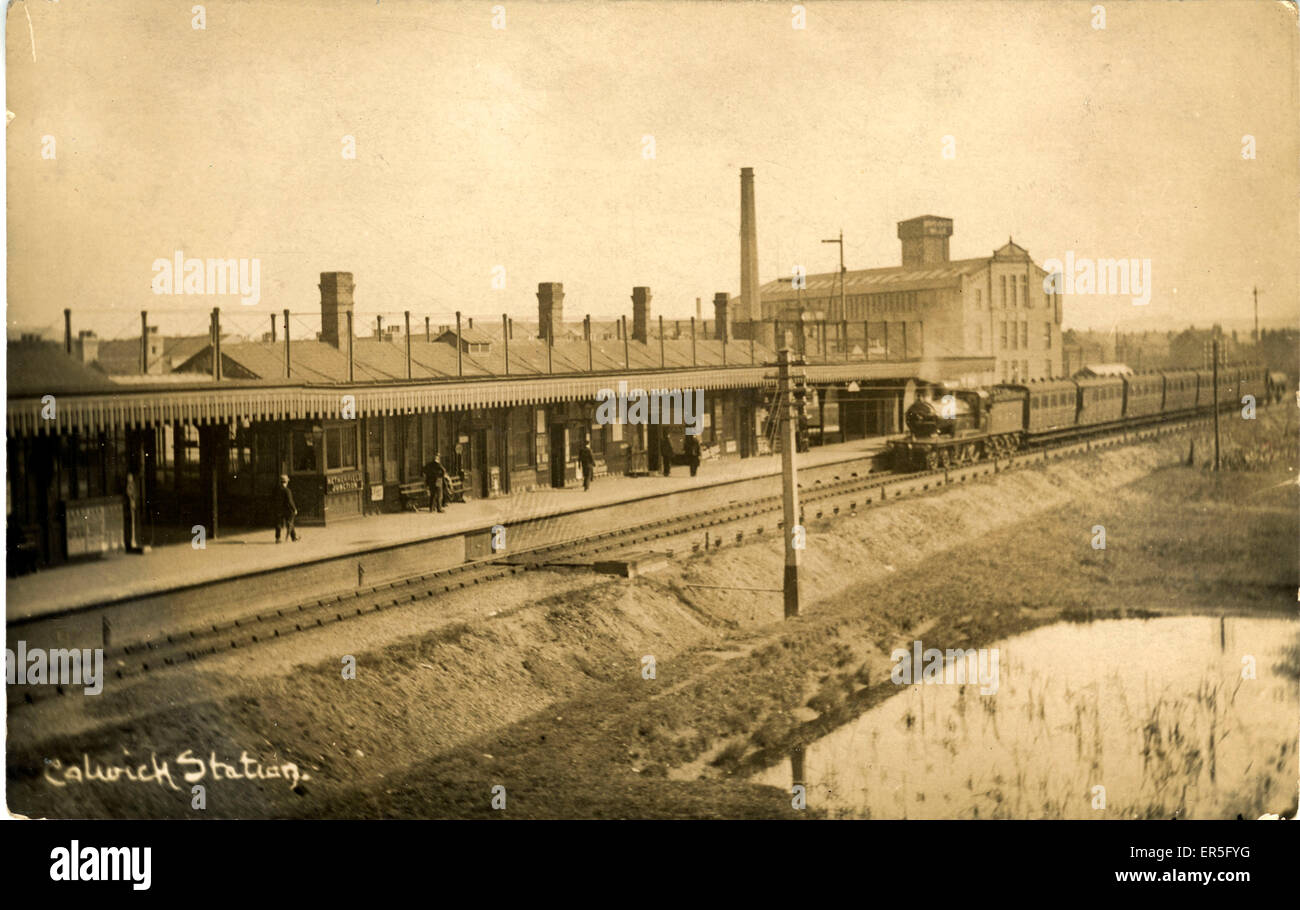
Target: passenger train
956	426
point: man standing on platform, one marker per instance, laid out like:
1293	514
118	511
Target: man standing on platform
665	452
286	510
435	478
587	460
692	449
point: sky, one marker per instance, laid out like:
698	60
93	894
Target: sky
525	148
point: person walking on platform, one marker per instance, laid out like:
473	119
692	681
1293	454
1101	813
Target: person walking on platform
666	452
588	462
692	449
286	510
435	478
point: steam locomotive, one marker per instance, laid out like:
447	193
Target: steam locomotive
956	426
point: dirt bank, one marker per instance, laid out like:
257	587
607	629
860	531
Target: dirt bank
538	686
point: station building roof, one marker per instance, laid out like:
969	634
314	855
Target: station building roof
254	387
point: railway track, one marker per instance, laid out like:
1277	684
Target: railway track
817	501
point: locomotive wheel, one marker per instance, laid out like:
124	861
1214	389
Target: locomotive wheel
947	458
932	460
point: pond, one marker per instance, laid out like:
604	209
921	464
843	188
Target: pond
1110	719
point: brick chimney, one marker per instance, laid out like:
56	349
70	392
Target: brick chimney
335	305
925	241
721	300
87	346
641	315
550	309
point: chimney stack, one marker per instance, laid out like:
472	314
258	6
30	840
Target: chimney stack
750	308
925	241
335	305
550	309
87	347
720	301
641	315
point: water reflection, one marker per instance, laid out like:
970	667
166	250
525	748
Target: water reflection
1156	712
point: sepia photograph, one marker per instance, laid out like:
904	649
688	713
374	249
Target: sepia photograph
817	411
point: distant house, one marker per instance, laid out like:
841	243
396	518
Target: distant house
1104	370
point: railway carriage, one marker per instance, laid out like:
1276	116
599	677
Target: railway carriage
1050	405
1252	382
1143	394
1100	401
1180	391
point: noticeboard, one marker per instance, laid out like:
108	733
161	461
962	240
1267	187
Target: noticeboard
94	526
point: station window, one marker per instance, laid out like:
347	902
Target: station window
521	438
304	452
392	448
375	449
341	448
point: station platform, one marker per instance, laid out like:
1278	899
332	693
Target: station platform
120	576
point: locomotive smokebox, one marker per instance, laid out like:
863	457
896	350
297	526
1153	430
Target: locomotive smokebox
944	415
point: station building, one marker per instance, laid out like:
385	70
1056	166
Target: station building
100	463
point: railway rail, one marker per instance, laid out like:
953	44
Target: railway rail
821	500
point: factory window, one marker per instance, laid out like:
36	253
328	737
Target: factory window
1024	289
1024	369
1047	371
1004	290
979	299
1004	336
1024	335
1047	335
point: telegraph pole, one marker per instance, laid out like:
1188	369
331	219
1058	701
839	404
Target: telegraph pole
794	534
1215	380
1256	292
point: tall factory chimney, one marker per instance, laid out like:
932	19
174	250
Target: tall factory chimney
749	308
335	304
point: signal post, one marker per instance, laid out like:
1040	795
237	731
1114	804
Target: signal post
789	487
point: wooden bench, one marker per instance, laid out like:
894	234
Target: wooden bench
456	486
415	495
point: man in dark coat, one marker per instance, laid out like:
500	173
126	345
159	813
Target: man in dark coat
435	477
665	452
286	510
692	449
587	459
